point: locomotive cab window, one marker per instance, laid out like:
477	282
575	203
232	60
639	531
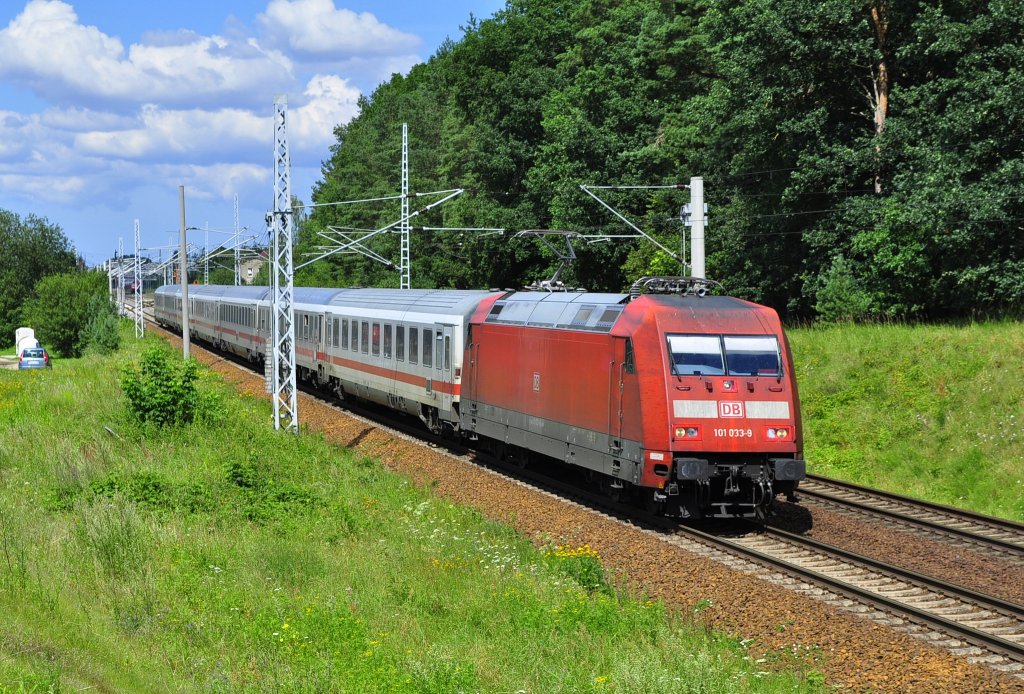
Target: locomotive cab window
755	355
696	355
629	362
717	355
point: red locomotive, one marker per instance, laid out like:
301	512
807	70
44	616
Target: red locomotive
685	402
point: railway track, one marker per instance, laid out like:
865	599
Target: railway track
983	628
965	527
980	628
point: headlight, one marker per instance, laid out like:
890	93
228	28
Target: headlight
778	433
688	433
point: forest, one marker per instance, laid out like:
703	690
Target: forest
861	159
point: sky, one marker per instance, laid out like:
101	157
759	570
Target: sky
108	106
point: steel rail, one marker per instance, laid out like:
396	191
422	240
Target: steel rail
955	514
1010	609
991	642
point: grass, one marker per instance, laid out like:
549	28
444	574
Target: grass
221	556
933	412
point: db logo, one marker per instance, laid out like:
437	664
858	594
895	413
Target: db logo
730	409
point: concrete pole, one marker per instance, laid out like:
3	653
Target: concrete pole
697	230
183	260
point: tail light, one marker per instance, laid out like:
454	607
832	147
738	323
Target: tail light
778	433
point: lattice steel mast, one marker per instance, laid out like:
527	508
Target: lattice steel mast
282	354
406	272
238	251
140	329
120	276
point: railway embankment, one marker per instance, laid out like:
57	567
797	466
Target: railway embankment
929	411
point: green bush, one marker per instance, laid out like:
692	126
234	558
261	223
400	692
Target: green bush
841	298
62	308
102	333
160	391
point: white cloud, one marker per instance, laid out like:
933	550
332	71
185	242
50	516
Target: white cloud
76	119
50	189
330	101
318	28
161	133
203	136
47	49
215	181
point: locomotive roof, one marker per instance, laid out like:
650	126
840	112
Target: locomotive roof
576	311
600	312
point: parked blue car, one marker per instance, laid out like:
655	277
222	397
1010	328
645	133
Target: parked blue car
34	358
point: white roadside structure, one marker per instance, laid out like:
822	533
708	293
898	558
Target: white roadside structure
24	338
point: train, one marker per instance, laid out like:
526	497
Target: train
669	397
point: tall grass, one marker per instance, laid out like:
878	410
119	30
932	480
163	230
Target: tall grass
220	556
929	411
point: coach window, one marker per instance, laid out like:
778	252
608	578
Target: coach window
447	353
387	341
344	333
355	336
335	341
376	339
400	343
305	327
428	347
364	337
414	345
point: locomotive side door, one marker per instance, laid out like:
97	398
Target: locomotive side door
616	373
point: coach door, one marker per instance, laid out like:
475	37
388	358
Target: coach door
443	346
